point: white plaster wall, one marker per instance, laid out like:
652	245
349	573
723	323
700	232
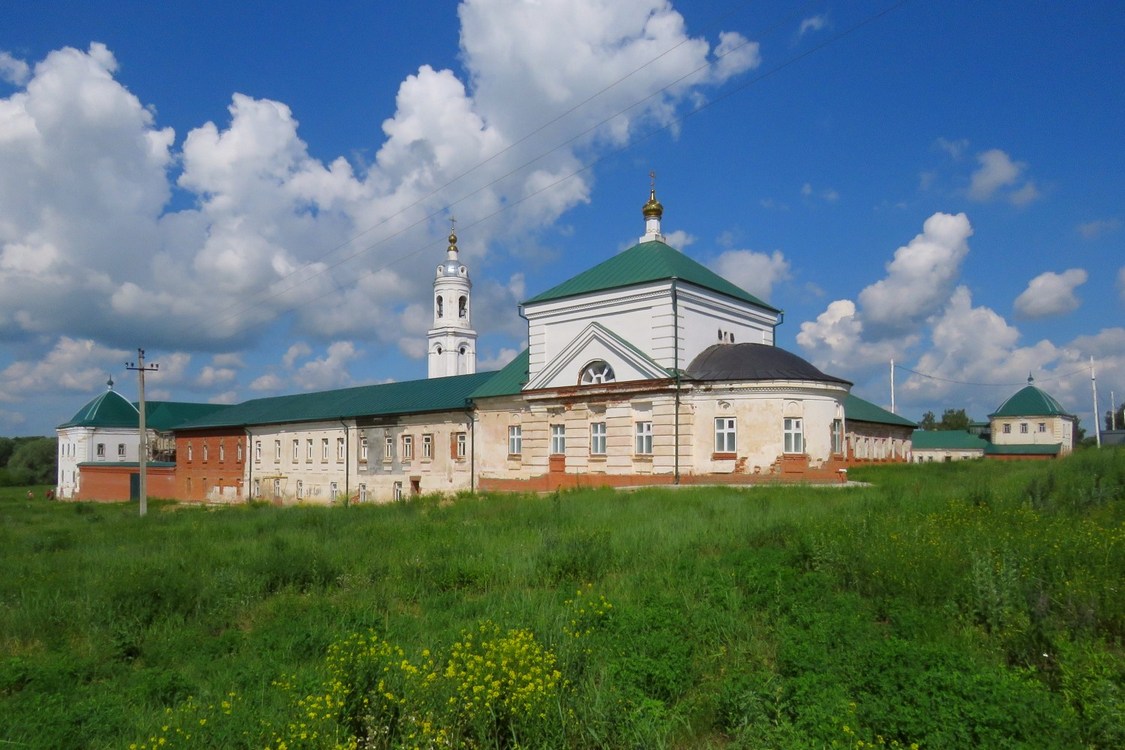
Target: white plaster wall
316	476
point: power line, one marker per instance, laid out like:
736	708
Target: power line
1050	379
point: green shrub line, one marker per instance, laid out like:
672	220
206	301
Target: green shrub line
964	605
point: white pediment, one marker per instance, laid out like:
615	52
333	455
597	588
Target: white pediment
596	343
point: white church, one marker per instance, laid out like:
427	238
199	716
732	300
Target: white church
646	369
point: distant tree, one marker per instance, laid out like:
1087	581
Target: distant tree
7	447
951	419
954	419
34	461
1120	418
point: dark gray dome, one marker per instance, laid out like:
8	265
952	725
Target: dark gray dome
754	362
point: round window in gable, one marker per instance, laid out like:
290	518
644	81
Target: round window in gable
597	372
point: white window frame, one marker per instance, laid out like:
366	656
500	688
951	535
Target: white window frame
515	440
257	451
793	427
309	450
296	450
363	448
597	438
558	439
121	450
642	432
837	436
277	451
726	434
101	450
388	447
407	447
462	445
324	450
427	446
340	450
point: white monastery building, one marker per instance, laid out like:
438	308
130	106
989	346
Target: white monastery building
648	368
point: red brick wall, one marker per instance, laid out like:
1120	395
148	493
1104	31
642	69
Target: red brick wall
207	460
111	483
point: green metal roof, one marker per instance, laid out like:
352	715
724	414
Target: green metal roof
1030	401
1050	449
857	409
110	409
947	440
407	397
165	415
642	264
509	381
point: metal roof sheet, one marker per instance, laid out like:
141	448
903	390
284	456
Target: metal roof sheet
857	409
109	409
947	440
509	381
642	264
754	362
406	397
1030	401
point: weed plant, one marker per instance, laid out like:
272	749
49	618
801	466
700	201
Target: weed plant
962	605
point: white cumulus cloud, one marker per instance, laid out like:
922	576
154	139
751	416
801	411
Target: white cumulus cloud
755	272
1051	293
999	175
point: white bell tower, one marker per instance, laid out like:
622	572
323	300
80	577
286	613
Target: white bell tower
452	340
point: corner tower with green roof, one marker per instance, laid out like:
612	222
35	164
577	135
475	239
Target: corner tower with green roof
642	314
1032	421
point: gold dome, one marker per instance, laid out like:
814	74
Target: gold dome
653	209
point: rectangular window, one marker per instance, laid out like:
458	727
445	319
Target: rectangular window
515	440
206	452
597	438
397	490
238	452
296	449
363	449
189	453
309	450
257	451
427	447
222	451
277	451
257	488
323	450
407	447
838	436
1042	426
726	435
388	447
340	449
121	449
363	493
101	450
1023	428
794	437
643	435
558	439
1007	429
462	448
333	490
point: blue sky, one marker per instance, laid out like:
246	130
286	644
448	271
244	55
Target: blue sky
256	194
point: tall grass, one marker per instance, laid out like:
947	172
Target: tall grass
952	605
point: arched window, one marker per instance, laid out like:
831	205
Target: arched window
440	306
598	371
462	306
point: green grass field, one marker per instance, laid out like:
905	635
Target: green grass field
972	605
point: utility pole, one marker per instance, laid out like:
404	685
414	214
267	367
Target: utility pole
1097	417
142	456
892	386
